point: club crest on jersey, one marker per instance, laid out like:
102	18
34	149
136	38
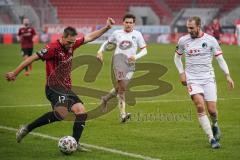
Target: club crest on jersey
204	45
125	45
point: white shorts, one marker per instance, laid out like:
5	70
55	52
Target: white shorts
122	69
123	75
208	89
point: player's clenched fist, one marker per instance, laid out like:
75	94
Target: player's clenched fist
10	76
110	22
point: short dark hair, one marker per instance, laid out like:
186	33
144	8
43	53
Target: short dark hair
69	31
129	16
196	19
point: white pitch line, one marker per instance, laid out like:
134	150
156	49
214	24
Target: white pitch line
141	101
133	155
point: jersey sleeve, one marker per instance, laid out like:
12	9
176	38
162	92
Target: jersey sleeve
79	42
46	53
112	38
216	49
141	42
180	47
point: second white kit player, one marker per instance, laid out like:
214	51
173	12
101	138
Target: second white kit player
199	49
127	42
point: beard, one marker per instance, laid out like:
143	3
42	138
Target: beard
26	24
194	34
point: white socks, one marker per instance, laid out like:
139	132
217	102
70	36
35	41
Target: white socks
205	124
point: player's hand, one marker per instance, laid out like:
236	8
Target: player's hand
132	59
18	38
183	79
10	76
100	56
110	22
230	82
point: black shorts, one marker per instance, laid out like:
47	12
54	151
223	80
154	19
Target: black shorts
27	51
61	98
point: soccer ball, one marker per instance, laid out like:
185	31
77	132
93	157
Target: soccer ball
67	145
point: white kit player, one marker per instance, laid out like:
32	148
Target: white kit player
127	42
199	49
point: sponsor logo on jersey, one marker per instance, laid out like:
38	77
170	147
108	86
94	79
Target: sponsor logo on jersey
124	45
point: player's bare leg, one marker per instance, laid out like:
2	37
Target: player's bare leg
106	98
122	104
30	67
212	110
26	73
203	119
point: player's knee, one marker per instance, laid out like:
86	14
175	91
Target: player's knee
78	109
121	91
200	108
198	101
212	108
61	112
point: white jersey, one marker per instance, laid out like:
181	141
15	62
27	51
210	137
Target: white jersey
127	42
199	53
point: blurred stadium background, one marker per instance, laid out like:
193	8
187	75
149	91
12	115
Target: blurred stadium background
161	21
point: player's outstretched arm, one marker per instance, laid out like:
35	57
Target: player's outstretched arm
101	50
95	34
11	76
223	65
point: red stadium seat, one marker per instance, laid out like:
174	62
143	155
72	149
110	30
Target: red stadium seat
96	10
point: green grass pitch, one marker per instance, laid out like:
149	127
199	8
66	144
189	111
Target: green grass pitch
165	138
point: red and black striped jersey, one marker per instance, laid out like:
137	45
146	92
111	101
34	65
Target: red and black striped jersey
59	63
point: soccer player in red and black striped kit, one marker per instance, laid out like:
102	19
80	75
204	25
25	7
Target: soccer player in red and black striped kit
25	37
216	30
58	57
